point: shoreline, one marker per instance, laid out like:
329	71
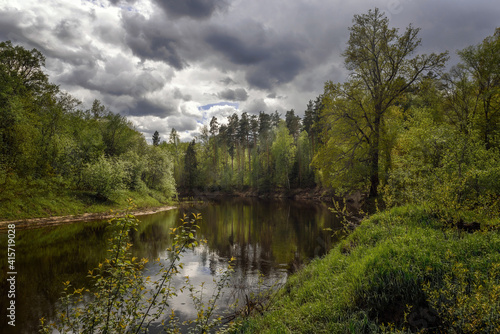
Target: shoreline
31	223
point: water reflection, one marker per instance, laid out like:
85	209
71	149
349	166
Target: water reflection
269	237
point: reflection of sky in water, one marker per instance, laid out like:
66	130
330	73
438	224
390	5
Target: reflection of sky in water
204	268
272	237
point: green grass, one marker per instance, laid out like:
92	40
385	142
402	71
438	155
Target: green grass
38	199
401	270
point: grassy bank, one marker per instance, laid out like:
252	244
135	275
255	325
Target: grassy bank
403	270
39	199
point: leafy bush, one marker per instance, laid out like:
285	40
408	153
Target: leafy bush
106	177
158	171
435	165
134	169
468	301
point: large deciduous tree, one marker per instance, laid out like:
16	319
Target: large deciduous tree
381	72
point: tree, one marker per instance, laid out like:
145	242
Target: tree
158	171
293	123
306	177
22	84
275	118
118	134
156	138
265	135
214	129
243	136
231	135
482	62
98	110
254	131
21	69
174	143
381	72
460	103
283	151
191	166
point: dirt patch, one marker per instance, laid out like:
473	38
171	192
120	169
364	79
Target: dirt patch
24	224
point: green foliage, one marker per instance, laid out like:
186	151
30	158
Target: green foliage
342	159
467	300
156	138
383	276
45	137
190	167
283	152
304	156
434	164
381	73
158	172
105	177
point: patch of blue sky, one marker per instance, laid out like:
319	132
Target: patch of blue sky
208	106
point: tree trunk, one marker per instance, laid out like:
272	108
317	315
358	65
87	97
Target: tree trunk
374	155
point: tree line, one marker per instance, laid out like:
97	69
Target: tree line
400	127
246	151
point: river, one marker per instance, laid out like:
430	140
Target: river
272	238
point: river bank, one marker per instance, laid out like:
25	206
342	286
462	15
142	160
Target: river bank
23	224
40	211
401	270
355	200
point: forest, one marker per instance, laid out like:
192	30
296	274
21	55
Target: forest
418	136
401	129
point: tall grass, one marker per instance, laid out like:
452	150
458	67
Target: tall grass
400	271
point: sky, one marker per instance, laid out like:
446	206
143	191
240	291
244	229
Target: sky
177	63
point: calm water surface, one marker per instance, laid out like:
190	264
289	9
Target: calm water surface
272	238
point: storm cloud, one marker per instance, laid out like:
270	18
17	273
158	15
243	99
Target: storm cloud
238	94
153	39
197	9
161	62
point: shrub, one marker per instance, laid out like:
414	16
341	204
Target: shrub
106	177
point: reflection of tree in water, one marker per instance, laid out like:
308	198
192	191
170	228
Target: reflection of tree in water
267	237
263	234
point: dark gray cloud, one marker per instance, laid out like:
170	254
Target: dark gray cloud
145	107
197	9
257	105
238	94
269	58
275	96
9	26
282	68
153	39
108	33
235	49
